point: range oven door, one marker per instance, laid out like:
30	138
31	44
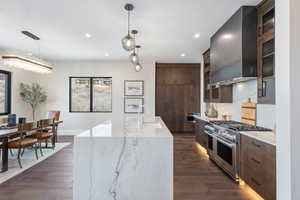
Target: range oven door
211	144
226	157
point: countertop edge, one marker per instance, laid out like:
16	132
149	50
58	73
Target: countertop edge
258	138
164	129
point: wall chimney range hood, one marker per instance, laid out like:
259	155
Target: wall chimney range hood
233	49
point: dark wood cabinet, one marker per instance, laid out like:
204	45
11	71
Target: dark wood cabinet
177	93
221	94
266	52
206	78
258	166
200	136
215	94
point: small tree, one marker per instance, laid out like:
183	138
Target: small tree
32	94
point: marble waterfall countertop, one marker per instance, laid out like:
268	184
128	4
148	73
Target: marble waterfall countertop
129	128
268	137
116	160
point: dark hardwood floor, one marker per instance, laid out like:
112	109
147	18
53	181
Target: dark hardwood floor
196	177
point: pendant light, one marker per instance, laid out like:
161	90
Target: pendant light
134	58
138	67
128	42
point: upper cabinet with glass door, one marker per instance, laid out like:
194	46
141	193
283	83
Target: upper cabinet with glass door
266	52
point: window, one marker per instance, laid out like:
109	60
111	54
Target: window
5	92
90	94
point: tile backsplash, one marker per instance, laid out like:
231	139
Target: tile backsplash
241	92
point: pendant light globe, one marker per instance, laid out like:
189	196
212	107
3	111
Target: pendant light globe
138	67
128	43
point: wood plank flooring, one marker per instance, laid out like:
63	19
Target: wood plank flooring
196	177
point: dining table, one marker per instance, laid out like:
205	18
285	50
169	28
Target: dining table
9	132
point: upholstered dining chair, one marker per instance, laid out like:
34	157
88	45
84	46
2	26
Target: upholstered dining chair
45	133
2	122
22	142
54	114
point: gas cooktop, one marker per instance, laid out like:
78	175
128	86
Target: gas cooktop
238	126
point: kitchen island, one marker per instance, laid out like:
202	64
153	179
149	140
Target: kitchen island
122	160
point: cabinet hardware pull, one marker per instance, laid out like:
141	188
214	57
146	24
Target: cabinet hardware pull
264	91
258	162
259	31
257	145
255	181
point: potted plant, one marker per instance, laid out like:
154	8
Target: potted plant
32	94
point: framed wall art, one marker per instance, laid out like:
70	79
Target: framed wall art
134	88
133	105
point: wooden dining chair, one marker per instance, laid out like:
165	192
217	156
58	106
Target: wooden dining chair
54	114
3	121
45	133
23	142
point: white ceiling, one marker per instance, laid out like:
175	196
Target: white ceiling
166	27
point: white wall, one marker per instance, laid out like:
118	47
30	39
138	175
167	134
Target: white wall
57	86
266	114
288	98
19	76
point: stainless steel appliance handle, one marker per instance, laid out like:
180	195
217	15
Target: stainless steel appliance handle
208	133
226	143
220	140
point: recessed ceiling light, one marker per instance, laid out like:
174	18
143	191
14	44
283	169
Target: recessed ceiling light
106	54
182	55
87	35
197	35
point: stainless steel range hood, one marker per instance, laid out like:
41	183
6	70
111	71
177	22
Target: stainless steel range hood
233	81
233	52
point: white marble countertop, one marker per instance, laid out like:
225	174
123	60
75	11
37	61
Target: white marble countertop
268	137
117	160
129	128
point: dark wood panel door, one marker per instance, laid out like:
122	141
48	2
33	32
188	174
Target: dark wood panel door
169	108
177	93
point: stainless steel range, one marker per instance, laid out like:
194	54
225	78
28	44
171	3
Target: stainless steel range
223	143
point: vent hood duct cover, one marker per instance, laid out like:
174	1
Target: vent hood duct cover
233	48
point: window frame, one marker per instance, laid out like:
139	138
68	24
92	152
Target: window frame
8	108
91	94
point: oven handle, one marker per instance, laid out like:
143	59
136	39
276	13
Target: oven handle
208	133
226	143
220	140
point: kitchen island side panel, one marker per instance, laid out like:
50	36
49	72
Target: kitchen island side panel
127	168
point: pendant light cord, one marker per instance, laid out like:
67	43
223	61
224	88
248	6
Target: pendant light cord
39	56
128	22
134	50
